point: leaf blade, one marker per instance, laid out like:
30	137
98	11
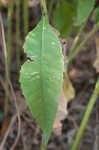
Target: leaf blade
43	75
84	9
96	15
63	18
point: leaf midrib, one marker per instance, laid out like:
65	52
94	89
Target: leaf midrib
41	66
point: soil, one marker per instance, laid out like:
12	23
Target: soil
83	75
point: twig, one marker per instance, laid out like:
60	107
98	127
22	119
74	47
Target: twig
9	83
25	146
6	82
18	115
7	132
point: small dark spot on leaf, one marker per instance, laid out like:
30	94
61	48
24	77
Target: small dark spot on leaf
31	59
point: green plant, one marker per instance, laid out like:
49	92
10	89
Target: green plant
18	31
41	76
9	38
25	15
9	48
86	116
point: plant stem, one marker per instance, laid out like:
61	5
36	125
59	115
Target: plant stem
77	38
6	67
86	116
43	148
9	46
9	38
50	7
17	31
25	17
82	43
43	3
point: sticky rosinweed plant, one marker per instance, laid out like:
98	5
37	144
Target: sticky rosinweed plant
41	77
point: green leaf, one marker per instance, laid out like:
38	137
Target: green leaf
63	18
41	79
84	9
96	15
